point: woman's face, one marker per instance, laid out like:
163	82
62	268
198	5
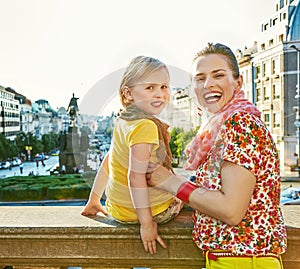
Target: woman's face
214	83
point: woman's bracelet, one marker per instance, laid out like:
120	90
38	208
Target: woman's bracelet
184	191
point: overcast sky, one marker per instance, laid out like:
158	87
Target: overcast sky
51	49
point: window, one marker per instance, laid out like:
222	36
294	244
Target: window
258	95
267	94
257	71
266	69
276	91
267	119
276	120
284	15
275	66
271	42
281	38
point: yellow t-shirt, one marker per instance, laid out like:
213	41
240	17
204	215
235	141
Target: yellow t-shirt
125	135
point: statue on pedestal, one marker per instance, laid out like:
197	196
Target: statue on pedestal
73	109
73	146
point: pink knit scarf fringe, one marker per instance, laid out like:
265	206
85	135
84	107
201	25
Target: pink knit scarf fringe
200	146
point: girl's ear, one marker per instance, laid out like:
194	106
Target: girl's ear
127	94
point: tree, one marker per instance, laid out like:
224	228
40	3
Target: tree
174	133
108	131
180	139
7	148
21	142
50	142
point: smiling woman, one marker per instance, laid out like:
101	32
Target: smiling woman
237	171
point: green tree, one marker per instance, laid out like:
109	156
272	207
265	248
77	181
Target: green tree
180	139
21	142
50	142
108	131
29	139
7	148
174	133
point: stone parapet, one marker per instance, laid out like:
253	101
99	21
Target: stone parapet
58	237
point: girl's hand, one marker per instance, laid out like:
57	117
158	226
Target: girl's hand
149	237
92	208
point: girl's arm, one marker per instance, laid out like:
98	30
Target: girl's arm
138	164
228	204
93	205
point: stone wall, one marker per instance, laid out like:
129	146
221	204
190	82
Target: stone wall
58	237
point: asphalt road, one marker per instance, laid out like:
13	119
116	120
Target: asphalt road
28	167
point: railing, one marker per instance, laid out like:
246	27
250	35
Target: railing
59	237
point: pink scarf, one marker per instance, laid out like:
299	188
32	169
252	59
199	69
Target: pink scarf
204	140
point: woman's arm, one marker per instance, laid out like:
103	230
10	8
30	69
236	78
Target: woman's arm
229	204
93	205
138	165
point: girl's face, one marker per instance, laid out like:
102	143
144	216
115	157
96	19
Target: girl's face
214	83
150	93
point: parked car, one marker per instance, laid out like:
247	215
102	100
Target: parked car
54	152
15	161
5	165
18	161
290	196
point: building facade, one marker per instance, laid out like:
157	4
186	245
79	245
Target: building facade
270	75
10	114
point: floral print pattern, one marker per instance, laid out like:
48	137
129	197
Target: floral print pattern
244	140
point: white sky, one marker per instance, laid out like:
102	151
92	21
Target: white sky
50	49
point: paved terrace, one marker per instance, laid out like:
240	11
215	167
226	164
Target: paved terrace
55	237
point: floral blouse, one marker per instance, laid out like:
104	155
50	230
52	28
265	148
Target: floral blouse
244	140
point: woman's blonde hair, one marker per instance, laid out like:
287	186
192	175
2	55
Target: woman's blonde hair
137	68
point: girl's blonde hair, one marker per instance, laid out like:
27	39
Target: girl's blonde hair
137	68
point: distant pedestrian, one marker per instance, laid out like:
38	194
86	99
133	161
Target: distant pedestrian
21	168
37	162
63	169
43	158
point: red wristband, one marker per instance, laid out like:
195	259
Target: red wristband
184	191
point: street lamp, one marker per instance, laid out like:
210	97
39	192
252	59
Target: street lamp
297	122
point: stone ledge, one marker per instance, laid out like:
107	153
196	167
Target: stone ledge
58	236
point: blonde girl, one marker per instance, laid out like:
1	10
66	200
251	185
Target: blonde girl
138	138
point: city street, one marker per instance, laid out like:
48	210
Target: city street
52	162
28	167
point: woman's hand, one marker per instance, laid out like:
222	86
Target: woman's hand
157	175
162	178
